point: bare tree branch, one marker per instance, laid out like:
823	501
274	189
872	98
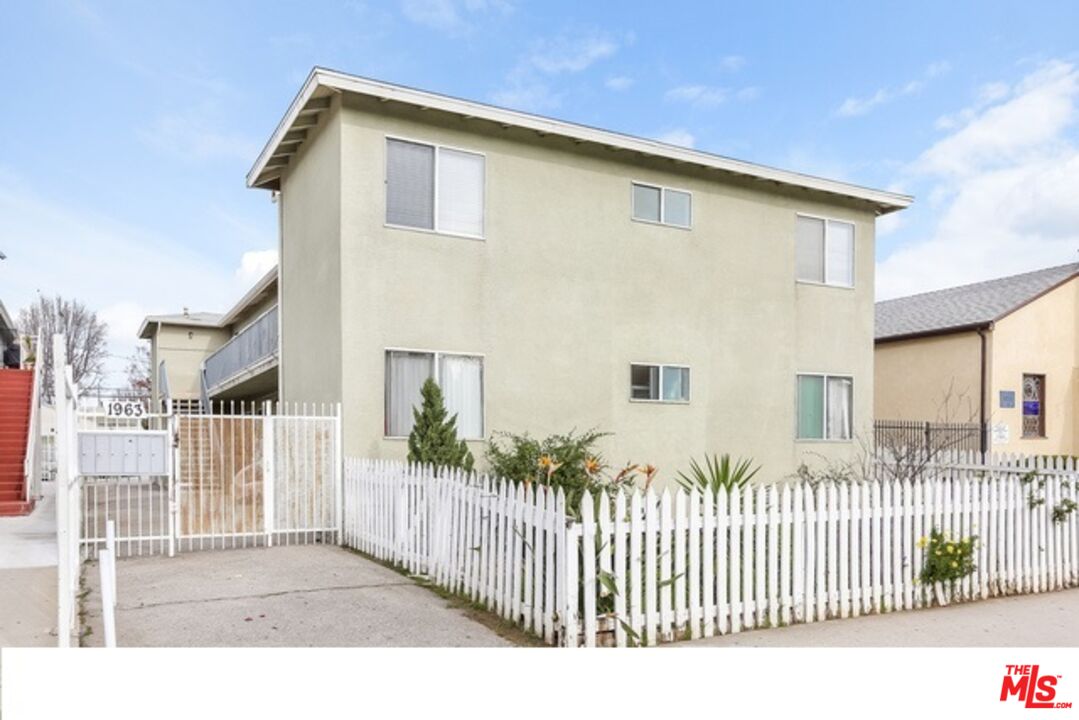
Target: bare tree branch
85	339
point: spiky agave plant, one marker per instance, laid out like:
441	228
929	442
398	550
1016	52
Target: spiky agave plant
718	473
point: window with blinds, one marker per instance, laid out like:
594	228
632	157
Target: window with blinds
429	187
824	251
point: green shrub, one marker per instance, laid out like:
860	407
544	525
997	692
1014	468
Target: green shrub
568	461
946	559
719	474
433	440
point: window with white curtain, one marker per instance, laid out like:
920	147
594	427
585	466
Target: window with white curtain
431	187
660	383
825	407
824	251
460	378
667	206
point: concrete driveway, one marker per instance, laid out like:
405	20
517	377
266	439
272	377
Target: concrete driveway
1042	620
298	596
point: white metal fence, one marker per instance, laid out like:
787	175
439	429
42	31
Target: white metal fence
68	495
248	475
642	568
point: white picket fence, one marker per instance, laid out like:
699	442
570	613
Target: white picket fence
643	568
500	544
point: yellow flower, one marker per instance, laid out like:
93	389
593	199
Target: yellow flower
951	549
545	461
939	552
955	564
922	541
916	581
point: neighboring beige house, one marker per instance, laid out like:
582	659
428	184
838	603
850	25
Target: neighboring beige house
1006	353
554	276
202	357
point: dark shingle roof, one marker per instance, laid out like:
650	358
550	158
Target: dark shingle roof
966	305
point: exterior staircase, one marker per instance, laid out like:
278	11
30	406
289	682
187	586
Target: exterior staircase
16	387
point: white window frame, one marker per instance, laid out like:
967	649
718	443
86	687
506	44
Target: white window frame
853	395
662	204
438	355
853	252
437	148
661	367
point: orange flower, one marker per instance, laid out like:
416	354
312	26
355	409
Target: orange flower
592	466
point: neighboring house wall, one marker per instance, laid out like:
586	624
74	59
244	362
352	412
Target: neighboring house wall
310	270
183	349
931	379
1040	338
565	292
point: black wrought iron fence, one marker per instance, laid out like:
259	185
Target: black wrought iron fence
930	436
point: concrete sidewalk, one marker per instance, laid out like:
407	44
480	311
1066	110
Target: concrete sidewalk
28	576
1041	620
297	596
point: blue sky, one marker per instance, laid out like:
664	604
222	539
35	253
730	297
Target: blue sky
127	128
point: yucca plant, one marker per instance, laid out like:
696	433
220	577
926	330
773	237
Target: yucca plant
718	473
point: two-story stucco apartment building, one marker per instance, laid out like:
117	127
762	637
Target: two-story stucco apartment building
554	276
1003	352
200	358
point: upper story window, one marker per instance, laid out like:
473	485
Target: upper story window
663	383
825	251
667	206
430	187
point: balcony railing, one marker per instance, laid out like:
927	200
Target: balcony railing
254	346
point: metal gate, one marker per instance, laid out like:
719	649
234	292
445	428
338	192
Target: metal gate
270	473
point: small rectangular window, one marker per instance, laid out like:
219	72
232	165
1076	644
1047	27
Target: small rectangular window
430	187
825	407
1034	406
665	383
824	251
667	206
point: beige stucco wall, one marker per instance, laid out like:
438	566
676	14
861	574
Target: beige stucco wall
310	268
183	349
1041	338
930	379
565	292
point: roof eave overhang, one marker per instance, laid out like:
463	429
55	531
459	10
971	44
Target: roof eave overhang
261	175
249	297
969	327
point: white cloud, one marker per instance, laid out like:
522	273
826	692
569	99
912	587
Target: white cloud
192	135
618	82
453	17
1006	183
528	83
732	63
697	95
855	106
747	94
254	264
565	54
677	136
533	96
